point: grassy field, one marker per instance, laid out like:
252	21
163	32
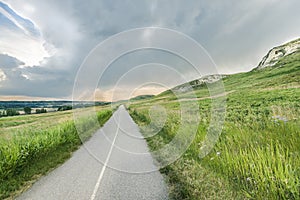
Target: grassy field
258	153
31	145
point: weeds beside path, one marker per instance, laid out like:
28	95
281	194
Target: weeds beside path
30	154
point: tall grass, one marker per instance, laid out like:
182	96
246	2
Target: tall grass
20	151
186	177
264	163
257	155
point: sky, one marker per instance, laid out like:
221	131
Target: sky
44	44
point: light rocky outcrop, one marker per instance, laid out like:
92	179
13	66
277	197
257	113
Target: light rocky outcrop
201	81
276	53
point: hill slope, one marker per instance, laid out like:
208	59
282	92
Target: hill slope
258	153
282	73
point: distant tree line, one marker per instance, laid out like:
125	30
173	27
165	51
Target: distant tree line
9	112
27	110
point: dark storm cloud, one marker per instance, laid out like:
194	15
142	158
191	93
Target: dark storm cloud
35	82
237	34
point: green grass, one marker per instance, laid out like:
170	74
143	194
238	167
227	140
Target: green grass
29	153
257	155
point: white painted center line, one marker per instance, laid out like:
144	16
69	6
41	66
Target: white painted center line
105	164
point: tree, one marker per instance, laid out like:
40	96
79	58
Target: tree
27	110
11	112
63	108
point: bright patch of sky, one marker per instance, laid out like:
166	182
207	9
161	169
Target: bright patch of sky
20	38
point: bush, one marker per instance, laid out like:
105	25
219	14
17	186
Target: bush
38	111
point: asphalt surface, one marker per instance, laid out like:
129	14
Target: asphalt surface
114	164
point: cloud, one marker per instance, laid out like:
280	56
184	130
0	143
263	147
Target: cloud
236	34
2	76
20	83
7	61
20	38
119	93
239	34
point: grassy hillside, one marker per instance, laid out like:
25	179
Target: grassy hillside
258	153
31	145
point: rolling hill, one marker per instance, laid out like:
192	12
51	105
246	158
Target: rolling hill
257	155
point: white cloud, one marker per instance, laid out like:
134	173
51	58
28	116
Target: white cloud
24	47
2	76
20	38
